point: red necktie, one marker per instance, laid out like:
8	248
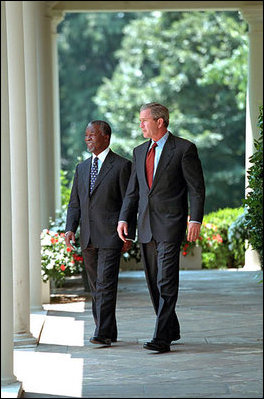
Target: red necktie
150	164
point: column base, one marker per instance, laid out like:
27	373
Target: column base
13	390
24	340
45	292
252	260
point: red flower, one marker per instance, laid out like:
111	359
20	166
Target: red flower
68	249
218	238
63	267
184	253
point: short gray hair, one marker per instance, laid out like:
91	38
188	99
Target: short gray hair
157	111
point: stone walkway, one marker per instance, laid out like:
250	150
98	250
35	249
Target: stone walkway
219	355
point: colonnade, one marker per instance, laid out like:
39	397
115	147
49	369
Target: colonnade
30	154
30	165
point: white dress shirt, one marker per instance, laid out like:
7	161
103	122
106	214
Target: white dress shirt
101	157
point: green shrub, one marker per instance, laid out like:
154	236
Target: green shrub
254	199
237	236
216	251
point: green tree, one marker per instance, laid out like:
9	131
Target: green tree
86	46
195	64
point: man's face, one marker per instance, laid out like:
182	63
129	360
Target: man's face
148	125
96	141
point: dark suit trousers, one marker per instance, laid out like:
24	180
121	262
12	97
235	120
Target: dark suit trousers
161	263
102	268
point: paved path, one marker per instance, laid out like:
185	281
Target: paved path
219	355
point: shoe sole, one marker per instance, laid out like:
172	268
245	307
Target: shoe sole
157	350
100	343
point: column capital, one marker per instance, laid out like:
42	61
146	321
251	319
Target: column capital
56	17
253	15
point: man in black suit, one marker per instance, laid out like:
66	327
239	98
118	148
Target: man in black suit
97	193
165	170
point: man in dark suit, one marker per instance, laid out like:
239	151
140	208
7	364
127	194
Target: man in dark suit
165	170
97	193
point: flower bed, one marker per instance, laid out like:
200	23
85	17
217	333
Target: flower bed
58	261
221	243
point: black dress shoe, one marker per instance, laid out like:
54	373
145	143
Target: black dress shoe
113	339
100	341
176	338
155	346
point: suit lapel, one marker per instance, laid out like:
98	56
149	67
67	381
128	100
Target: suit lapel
86	174
141	171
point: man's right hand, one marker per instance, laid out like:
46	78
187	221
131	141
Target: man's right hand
122	229
70	236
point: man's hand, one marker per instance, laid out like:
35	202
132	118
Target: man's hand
122	229
70	236
193	231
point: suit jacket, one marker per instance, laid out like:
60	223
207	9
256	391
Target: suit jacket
163	209
98	214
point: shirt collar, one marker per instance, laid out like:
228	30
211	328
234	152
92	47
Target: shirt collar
161	141
102	155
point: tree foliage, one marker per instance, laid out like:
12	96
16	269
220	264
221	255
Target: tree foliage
86	46
195	64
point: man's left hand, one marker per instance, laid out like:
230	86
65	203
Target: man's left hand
193	231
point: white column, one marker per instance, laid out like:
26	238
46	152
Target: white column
43	122
254	17
7	361
29	12
19	182
56	18
49	117
49	155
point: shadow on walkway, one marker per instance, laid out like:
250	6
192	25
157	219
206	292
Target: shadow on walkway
219	355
